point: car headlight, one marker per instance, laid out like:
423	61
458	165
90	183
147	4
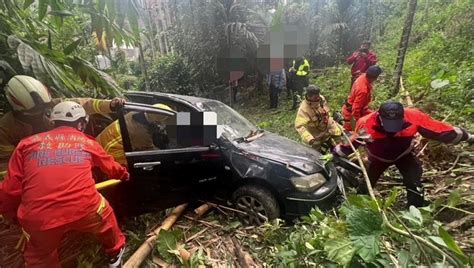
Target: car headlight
308	183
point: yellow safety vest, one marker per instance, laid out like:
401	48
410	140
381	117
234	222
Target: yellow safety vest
301	71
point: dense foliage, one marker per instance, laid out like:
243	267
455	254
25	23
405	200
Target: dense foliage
356	237
172	75
438	69
56	41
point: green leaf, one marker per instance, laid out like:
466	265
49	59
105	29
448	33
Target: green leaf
404	258
362	201
232	226
326	157
450	243
309	246
339	250
393	197
454	198
362	222
414	216
438	240
366	246
42	8
71	47
438	83
27	3
167	241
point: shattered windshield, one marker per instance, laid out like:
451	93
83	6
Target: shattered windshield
233	124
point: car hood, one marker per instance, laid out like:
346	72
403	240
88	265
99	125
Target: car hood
285	151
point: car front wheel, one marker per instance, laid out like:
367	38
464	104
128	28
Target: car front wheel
258	203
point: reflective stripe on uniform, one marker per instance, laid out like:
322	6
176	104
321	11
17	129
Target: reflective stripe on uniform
459	135
115	140
306	136
388	161
102	205
96	105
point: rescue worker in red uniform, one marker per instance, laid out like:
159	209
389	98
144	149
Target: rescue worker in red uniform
31	103
49	175
357	104
361	60
389	135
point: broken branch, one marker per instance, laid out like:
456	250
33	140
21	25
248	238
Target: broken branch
139	256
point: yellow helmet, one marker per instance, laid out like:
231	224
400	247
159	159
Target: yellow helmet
154	118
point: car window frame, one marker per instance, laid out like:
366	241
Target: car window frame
139	107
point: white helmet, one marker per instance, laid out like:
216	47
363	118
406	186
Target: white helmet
25	93
68	111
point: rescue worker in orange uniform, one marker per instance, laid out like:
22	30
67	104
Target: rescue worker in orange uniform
361	60
389	135
31	104
142	129
50	175
313	121
357	104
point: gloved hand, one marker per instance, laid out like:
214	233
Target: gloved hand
337	151
125	177
116	103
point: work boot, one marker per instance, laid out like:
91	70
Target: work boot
416	197
116	262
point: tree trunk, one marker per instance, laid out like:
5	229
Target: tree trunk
141	59
403	46
151	32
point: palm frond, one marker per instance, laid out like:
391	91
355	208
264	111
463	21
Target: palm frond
45	70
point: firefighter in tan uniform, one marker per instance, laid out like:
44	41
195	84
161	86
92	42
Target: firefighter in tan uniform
313	121
142	129
31	104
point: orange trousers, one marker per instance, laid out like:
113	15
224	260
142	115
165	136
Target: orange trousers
42	247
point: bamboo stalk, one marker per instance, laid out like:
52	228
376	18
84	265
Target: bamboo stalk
144	250
202	209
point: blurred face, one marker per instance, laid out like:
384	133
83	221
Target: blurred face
314	98
365	46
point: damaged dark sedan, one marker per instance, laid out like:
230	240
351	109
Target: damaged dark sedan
261	173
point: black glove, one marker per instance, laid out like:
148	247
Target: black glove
470	138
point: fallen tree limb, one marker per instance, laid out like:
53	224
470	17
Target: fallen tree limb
144	250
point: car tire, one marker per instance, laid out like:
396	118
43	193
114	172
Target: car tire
259	204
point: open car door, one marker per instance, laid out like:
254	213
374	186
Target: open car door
165	170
